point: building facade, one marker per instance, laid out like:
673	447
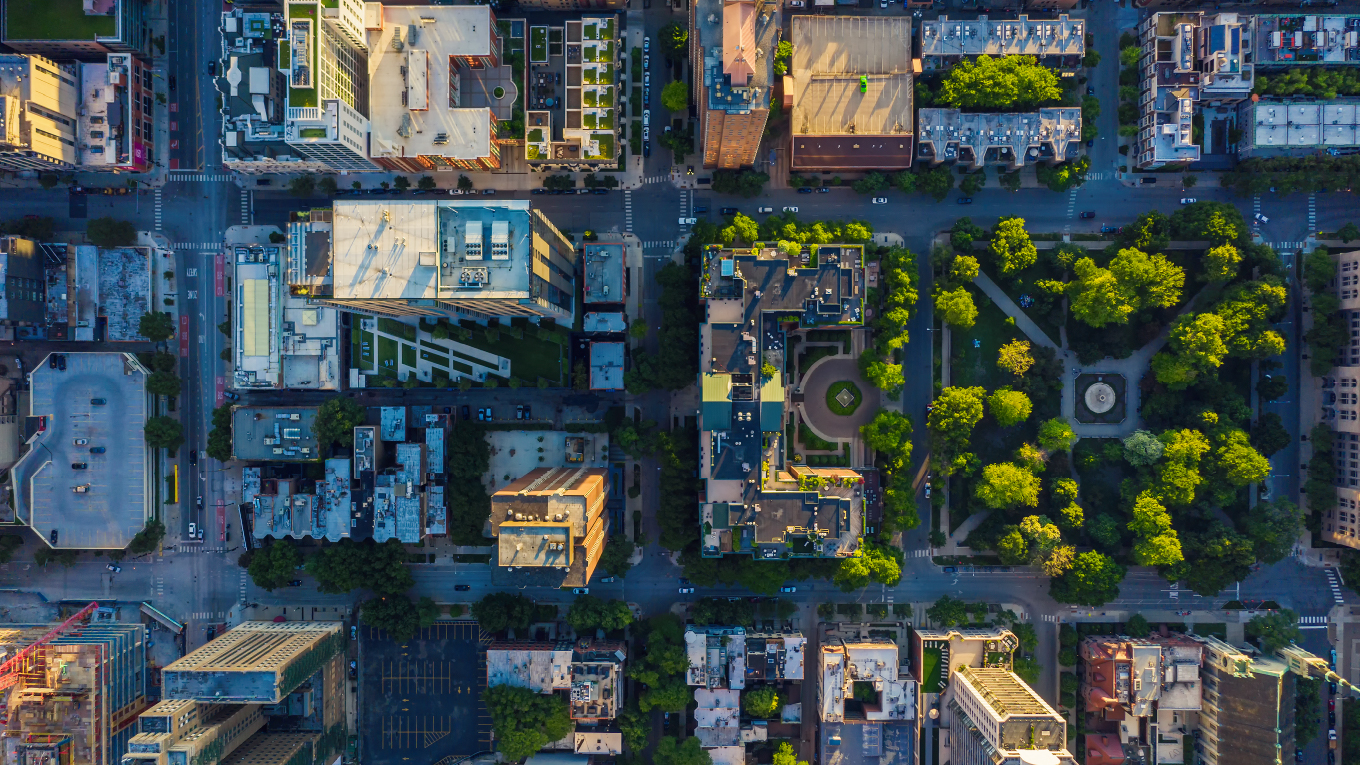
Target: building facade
999	720
1248	710
325	58
40	100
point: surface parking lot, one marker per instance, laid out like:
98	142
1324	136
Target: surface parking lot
421	699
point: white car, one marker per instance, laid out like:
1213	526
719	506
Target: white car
686	590
688	221
646	62
193	530
1188	200
82	441
646	44
646	117
795	589
880	200
1259	218
646	79
646	133
580	591
765	210
791	209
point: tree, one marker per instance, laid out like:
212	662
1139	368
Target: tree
401	183
784	755
302	185
589	613
336	419
635	727
1015	356
1056	435
108	233
349	565
1239	462
1157	543
156	326
1274	631
948	612
782	56
1214	559
1271	387
1178	475
955	307
1348	232
669	751
956	411
1221	263
617	553
746	183
999	83
1093	580
501	611
426	183
1137	626
1133	281
524	720
1009	407
889	434
1141	448
1273	528
1012	250
1104	531
1012	548
219	438
148	539
163	432
965	269
275	564
1005	485
674	40
762	703
675	96
1269	434
398	616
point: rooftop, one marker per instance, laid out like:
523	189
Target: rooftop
282	340
945	37
606	366
124	291
417	104
60	20
1291	39
604	267
873	662
717	656
1304	125
573	93
280	509
738	43
852	76
274	434
115	502
1016	138
259	662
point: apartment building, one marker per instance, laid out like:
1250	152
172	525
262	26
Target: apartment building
1188	59
1298	127
1057	43
263	693
75	696
1286	40
324	54
1141	697
999	720
590	669
1338	399
849	93
755	501
116	115
456	258
1248	707
85	30
430	106
732	44
1007	141
282	338
40	100
571	88
867	704
550	525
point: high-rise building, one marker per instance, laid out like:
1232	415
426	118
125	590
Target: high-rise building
116	115
457	258
866	703
22	301
79	29
324	53
75	695
1141	697
999	720
550	524
1248	710
263	693
732	44
39	113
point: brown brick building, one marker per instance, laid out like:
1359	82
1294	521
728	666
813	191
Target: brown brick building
550	525
731	50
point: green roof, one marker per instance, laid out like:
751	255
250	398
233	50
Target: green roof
55	20
716	401
772	404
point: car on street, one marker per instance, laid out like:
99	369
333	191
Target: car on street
1259	218
788	589
1298	755
230	396
688	221
791	209
353	632
1109	229
461	587
488	192
927	489
880	200
686	590
964	200
823	189
765	210
539	190
1331	734
528	412
646	80
646	62
193	529
81	441
519	412
353	670
607	580
193	456
646	117
96	450
79	465
466	415
1088	214
99	401
951	570
646	44
212	68
647	149
114	568
646	98
199	502
1187	200
882	3
646	133
804	189
295	583
1090	91
580	591
729	210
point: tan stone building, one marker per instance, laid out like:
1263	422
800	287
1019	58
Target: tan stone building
551	526
39	114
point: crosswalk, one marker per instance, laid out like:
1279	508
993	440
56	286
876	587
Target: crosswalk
160	586
657	179
182	177
1097	176
1050	617
1312	620
244	578
245	207
1072	203
628	211
209	615
659	244
1335	584
1278	246
1312	214
210	246
686	202
918	553
158	209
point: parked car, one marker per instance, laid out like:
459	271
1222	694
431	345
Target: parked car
804	189
114	568
788	589
79	465
99	401
231	396
580	591
646	80
461	587
823	189
1187	200
528	413
647	149
601	190
791	209
646	133
1088	214
765	210
52	361
212	68
1259	218
927	489
646	62
81	441
951	570
539	190
607	580
1109	229
646	117
686	590
295	583
688	221
53	536
198	502
728	211
519	412
964	200
193	456
353	670
646	44
96	450
880	200
466	416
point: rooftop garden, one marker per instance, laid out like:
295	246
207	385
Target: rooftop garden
538	45
58	20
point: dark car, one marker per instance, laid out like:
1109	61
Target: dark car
353	670
466	412
295	583
96	450
461	587
79	465
212	633
647	149
212	68
539	190
528	413
61	363
99	401
1088	214
488	192
950	570
805	190
556	192
53	536
199	503
964	200
601	191
823	190
52	361
1109	229
193	456
728	211
1090	91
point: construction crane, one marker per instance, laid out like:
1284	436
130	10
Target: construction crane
10	673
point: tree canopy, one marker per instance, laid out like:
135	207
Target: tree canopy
335	421
956	308
525	721
348	565
762	702
108	233
670	751
956	411
1056	435
1134	281
1275	630
1006	485
501	611
1015	357
1093	580
275	564
398	616
1011	248
156	326
163	433
1009	407
588	613
1006	82
1142	448
1157	543
675	96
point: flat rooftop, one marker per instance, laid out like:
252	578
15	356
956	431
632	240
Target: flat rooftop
416	107
736	81
830	55
1003	37
1295	38
1334	124
604	265
1017	138
273	434
124	291
58	20
431	249
606	366
115	505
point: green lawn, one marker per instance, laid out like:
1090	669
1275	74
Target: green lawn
397	329
530	358
56	20
810	440
835	406
388	349
812	355
971	366
408	356
363	358
434	358
930	670
538	45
